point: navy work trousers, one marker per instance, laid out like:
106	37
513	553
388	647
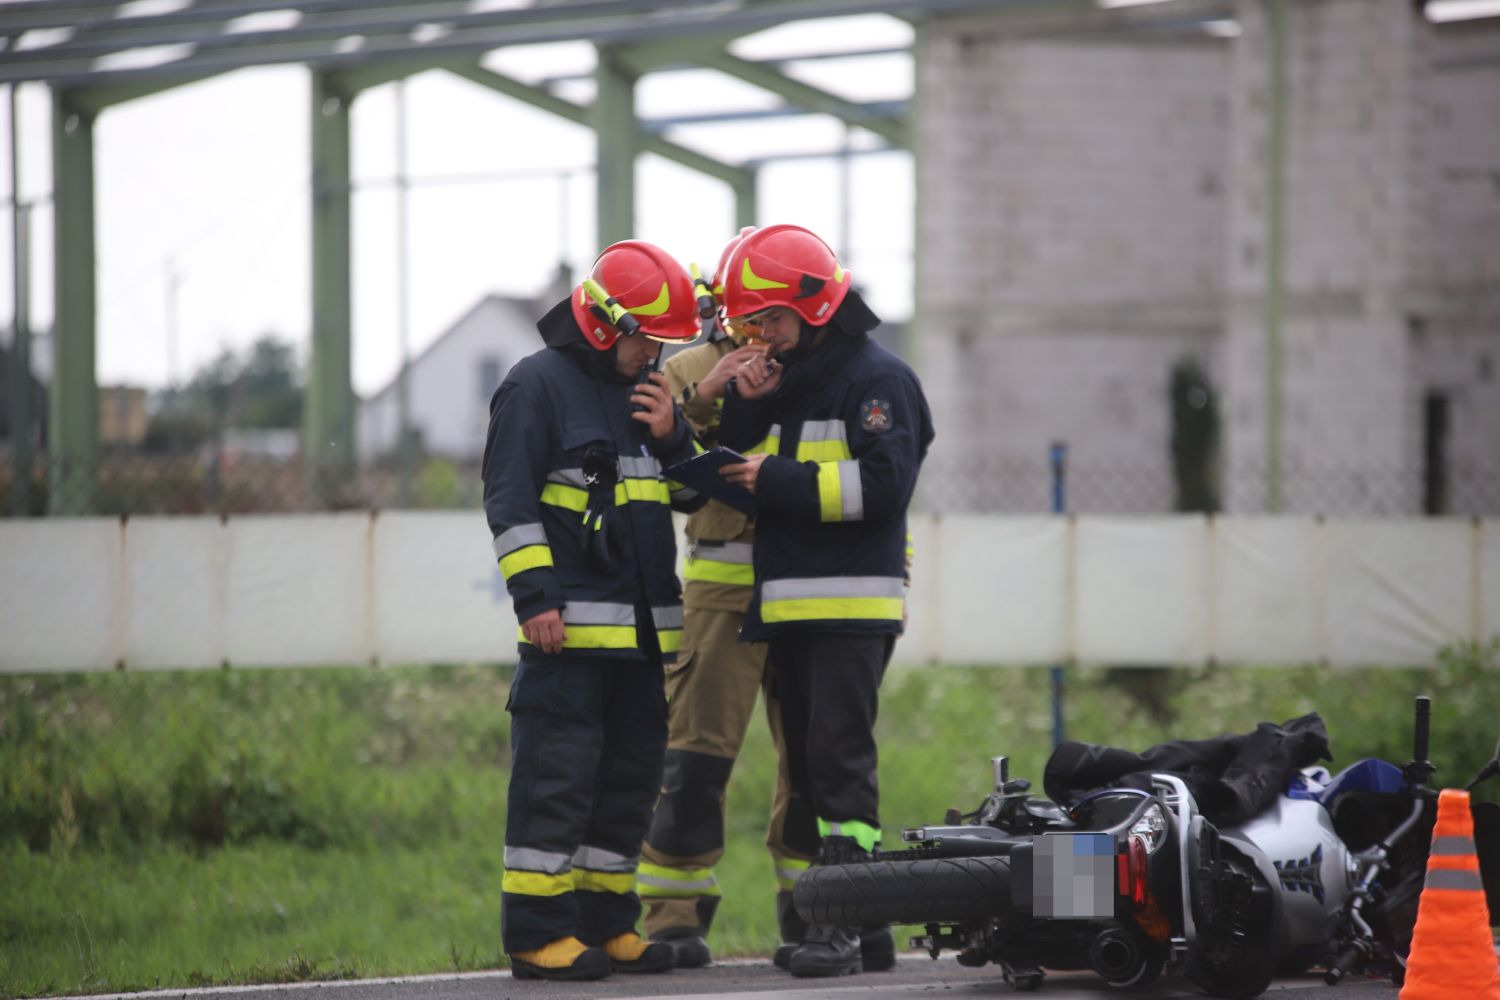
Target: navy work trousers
588	735
829	685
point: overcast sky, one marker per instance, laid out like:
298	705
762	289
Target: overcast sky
209	182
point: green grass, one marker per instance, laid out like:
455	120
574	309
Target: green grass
186	829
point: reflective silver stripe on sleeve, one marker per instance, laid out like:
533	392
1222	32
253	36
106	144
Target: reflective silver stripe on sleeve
726	552
1453	878
529	859
519	537
668	617
851	493
823	430
1453	846
597	859
833	586
568	477
598	613
639	467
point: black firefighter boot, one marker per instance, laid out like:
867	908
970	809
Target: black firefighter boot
829	949
793	930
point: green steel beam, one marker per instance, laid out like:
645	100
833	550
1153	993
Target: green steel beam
644	57
746	202
617	136
73	406
94	100
803	95
328	427
580	114
912	337
359	78
535	96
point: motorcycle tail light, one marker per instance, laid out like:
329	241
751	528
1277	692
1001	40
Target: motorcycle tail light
1139	876
1153	922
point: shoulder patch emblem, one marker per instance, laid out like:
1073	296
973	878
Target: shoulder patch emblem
875	415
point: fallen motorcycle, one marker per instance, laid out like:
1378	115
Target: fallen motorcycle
1130	881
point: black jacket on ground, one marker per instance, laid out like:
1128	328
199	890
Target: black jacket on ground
1231	777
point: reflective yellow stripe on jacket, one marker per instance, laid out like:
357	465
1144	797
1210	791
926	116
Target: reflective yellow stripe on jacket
521	548
770	445
720	562
597	625
823	441
832	598
640	481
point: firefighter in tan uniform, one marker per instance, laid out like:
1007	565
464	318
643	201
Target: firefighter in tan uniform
711	693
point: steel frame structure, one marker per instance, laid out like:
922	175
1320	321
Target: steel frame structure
352	45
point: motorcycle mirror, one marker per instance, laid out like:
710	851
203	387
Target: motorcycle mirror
1001	768
1488	771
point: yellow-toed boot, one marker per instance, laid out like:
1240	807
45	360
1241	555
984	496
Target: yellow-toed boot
565	958
629	952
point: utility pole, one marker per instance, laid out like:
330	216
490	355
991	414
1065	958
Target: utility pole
174	410
20	344
405	455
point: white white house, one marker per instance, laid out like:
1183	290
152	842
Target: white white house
452	380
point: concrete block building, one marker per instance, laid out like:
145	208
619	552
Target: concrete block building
1094	209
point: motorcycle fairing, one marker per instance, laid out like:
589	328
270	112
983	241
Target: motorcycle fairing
1368	775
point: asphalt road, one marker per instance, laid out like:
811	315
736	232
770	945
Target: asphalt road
914	976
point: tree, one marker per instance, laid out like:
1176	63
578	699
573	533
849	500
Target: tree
260	389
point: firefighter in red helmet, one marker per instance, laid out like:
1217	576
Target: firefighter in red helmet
836	429
712	689
580	517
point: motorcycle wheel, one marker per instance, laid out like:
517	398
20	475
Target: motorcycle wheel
1235	959
931	890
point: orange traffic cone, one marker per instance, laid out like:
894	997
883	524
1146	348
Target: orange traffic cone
1452	954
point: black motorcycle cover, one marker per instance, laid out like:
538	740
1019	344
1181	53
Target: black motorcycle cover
1232	777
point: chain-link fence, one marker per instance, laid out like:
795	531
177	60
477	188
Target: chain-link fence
1028	486
210	483
137	483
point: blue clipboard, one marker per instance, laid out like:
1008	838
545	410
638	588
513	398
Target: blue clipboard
701	473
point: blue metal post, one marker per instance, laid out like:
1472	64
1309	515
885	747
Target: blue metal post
1059	457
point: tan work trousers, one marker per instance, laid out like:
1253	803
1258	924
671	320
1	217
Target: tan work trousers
711	693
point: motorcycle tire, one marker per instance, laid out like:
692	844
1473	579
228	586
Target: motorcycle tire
930	890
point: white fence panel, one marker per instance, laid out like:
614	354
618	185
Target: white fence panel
1002	590
923	611
439	596
59	594
1398	590
175	591
1142	594
1268	585
298	591
88	594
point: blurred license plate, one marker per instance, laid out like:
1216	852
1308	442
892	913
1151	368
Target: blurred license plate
1073	875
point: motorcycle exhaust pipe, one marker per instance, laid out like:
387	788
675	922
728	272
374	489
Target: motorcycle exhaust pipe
1115	955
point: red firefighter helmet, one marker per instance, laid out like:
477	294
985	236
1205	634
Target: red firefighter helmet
643	290
722	271
784	266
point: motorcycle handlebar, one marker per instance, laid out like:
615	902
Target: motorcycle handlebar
1423	721
1341	966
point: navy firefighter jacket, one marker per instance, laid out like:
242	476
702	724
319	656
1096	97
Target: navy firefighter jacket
846	431
578	508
